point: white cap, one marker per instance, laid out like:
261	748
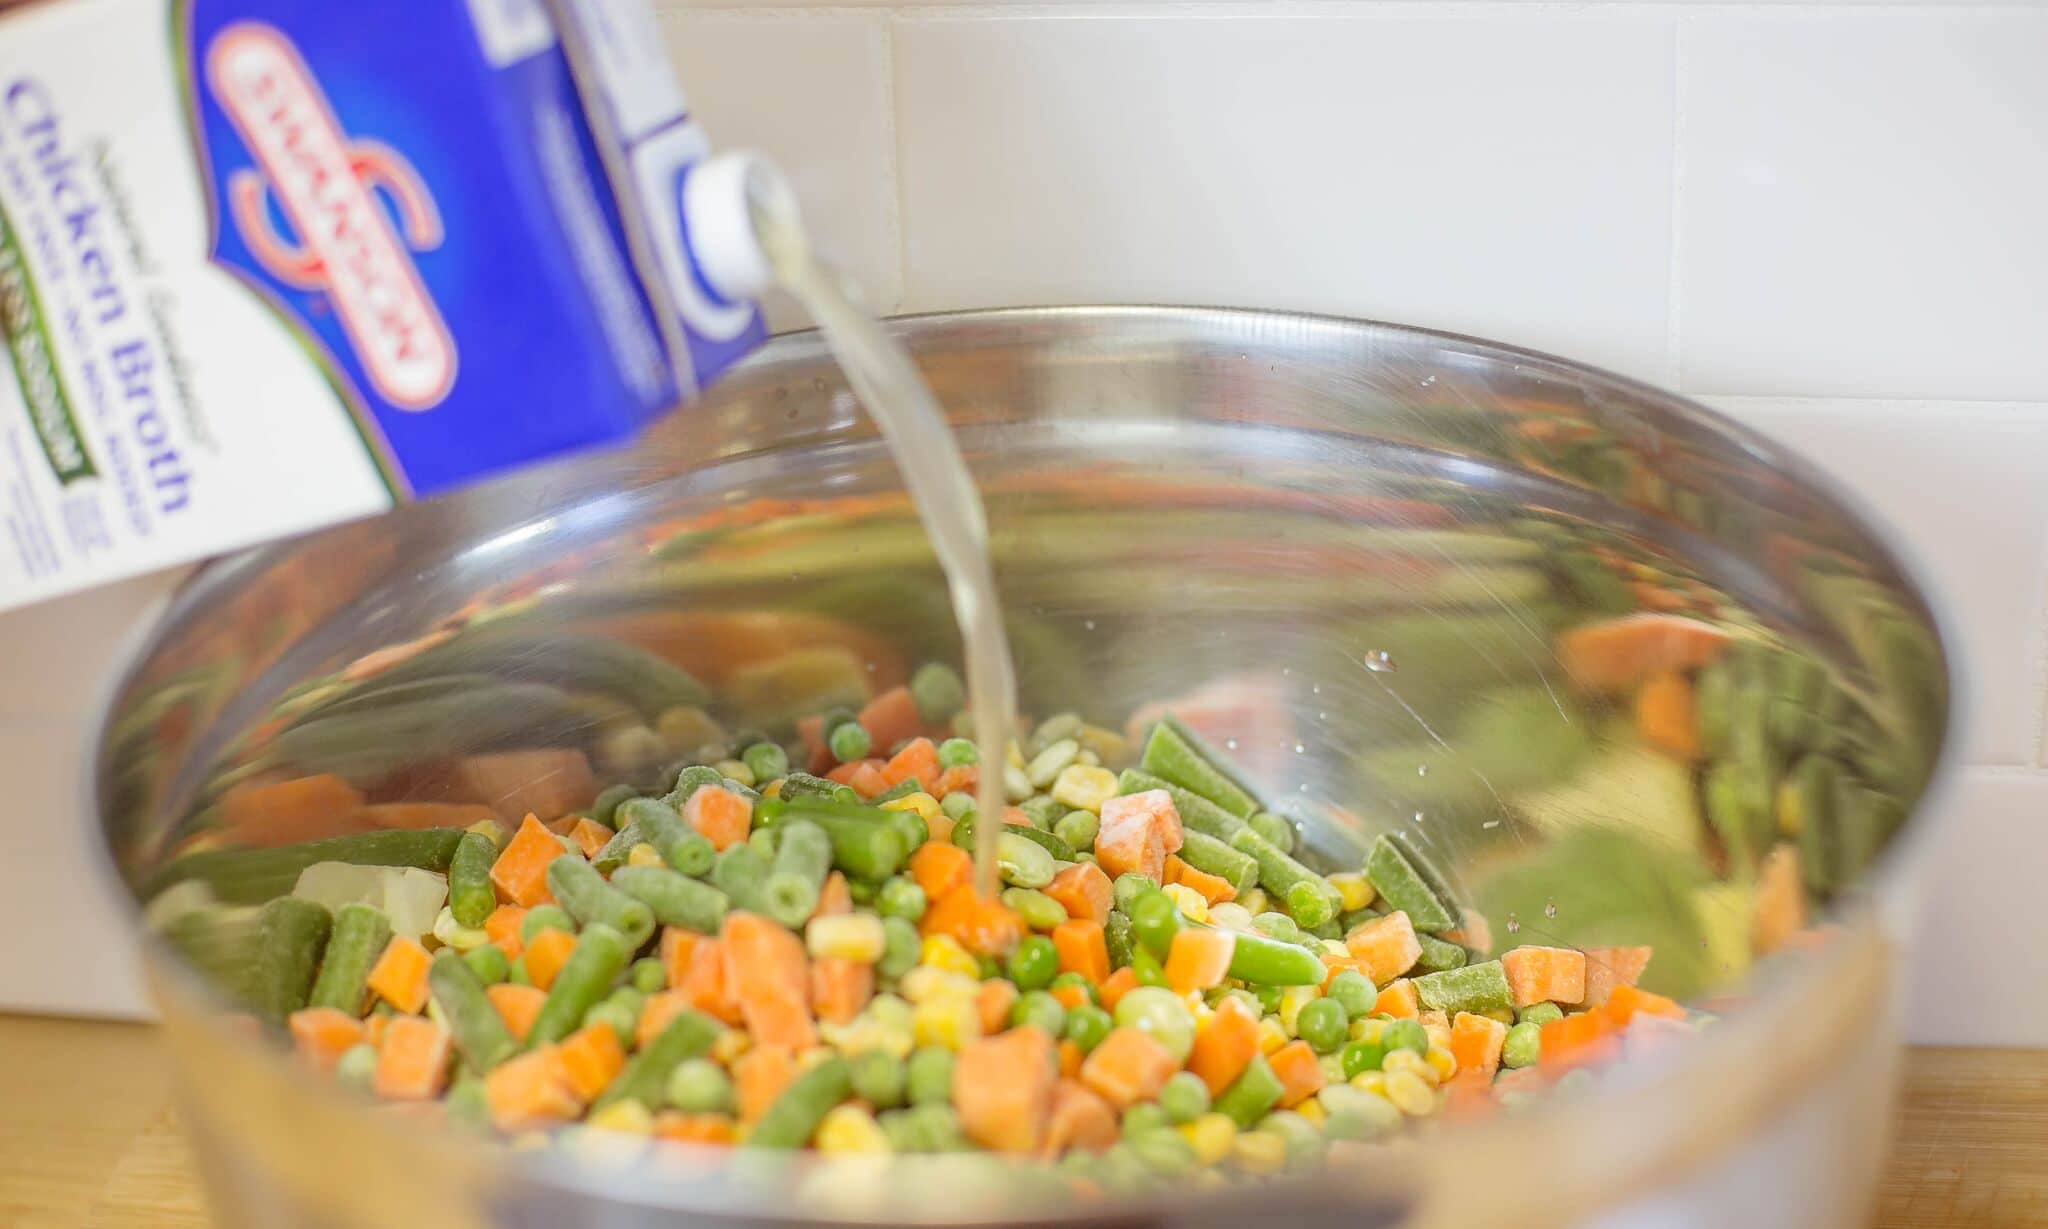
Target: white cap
728	200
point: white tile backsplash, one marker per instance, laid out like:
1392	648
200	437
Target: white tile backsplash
1863	195
1509	176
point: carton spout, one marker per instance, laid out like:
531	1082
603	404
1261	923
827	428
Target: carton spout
740	221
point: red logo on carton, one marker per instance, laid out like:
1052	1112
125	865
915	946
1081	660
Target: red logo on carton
328	188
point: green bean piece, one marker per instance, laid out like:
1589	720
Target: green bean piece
1523	1045
763	841
675	899
647	975
615	851
1118	938
1275	828
937	691
1277	926
741	872
1262	962
901	947
1353	991
471	898
692	854
699	1086
604	808
1087	1025
487	962
928	1075
1539	1014
591	900
793	1116
1403	885
1034	963
479	1031
877	1076
1474	988
866	843
1147	966
253	876
797	785
803	857
902	789
1207	854
1439	955
545	917
293	933
645	1075
1255	1091
1323	1023
863	891
1308	896
1197	814
359	936
901	897
1175	754
599	957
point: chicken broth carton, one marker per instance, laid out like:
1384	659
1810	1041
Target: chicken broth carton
266	265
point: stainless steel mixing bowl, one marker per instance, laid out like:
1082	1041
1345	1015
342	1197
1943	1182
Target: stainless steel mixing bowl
1375	561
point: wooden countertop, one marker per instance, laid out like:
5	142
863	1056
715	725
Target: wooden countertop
88	1138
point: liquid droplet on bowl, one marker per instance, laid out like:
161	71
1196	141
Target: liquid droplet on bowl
1300	749
1230	744
1422	770
1379	661
1550	908
1514	924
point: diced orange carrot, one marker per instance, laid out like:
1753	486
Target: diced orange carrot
719	815
767	972
321	1035
1476	1041
939	869
1131	848
1438	1026
759	1076
1225	1045
959	779
1628	1002
561	827
1536	974
704	985
919	761
694	1128
1780	909
1003	1088
1113	988
1199	958
1081	1120
592	1058
287	812
1301	1076
840	988
1128	1066
835	897
1071	1055
1608	967
400	975
678	949
517	1006
589	835
842	774
1083	891
521	871
543	781
530	1091
546	955
412	1060
1082	948
657	1012
1397	999
1664	715
1574	1040
1617	654
867	779
984	925
1385	947
891	718
503	928
992	1003
1213	888
1072	996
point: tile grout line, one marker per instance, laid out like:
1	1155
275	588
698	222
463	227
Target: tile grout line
1674	353
2037	648
892	147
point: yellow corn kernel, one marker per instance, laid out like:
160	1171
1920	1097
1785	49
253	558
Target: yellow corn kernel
1410	1062
774	788
924	804
1410	1094
929	981
1354	890
849	1128
1313	1111
945	952
950	1021
1254	901
737	770
626	1115
1374	1082
1199	1008
1365	1028
1334	947
1292	1000
1259	1152
846	936
1212	1135
1271	1035
730	1044
490	828
1192	904
1504	1015
644	854
1083	788
1443	1062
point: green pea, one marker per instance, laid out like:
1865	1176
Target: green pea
1353	991
766	761
1077	981
937	691
900	896
878	1078
1362	1056
1184	1097
1087	1025
1142	1117
1323	1024
649	975
958	753
849	741
1130	888
1078	828
901	947
928	1076
488	963
615	1016
1039	1010
1160	1014
544	917
957	806
357	1064
699	1086
1523	1045
1539	1013
1406	1035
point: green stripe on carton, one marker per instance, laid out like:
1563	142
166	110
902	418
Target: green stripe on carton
35	365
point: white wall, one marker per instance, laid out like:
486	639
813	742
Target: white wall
1827	219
